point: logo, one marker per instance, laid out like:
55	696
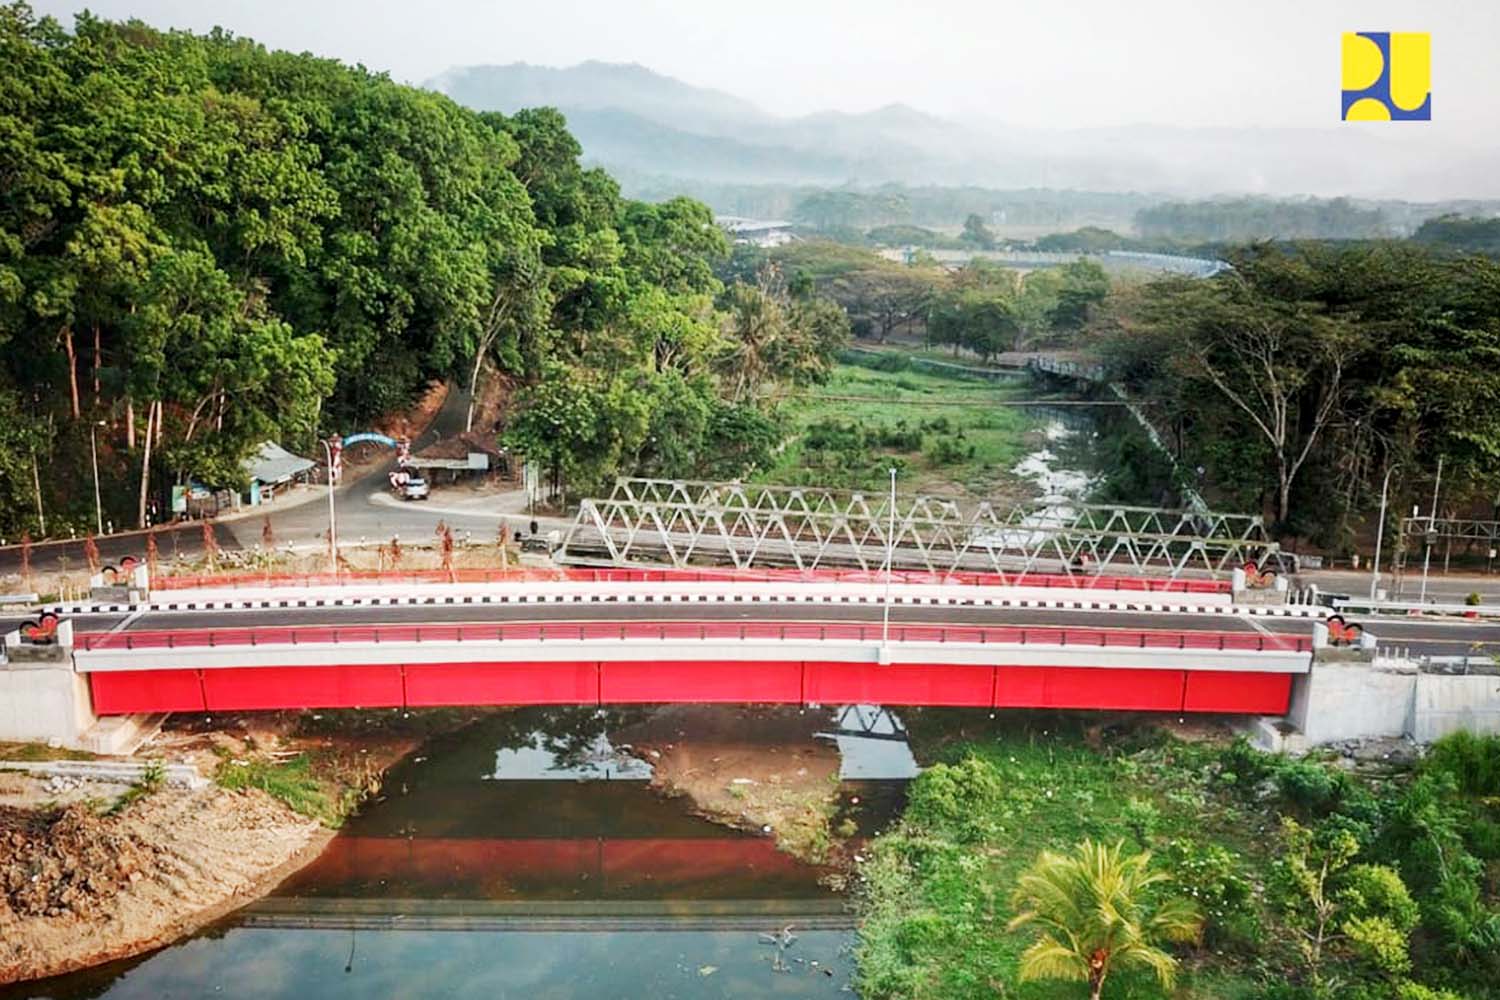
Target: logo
1387	76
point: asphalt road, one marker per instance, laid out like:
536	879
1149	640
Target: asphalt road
360	507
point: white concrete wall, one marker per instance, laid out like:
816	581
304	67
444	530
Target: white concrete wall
1344	701
41	702
1444	704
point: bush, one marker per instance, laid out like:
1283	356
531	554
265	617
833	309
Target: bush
1416	991
1248	765
1473	761
1211	875
1377	890
1310	786
948	451
1378	942
955	798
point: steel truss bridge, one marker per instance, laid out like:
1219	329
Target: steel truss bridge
1414	530
1465	534
644	522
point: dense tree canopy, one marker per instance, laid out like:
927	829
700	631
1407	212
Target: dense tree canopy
1302	375
205	244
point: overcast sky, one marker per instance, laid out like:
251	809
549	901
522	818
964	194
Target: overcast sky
1064	63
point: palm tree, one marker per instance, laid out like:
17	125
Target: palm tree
1097	913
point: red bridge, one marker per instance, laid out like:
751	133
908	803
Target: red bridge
604	662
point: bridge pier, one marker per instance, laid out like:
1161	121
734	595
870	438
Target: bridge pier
42	698
45	699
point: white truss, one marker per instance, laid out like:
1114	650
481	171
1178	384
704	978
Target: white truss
646	522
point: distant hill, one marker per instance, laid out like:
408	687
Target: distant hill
595	86
643	124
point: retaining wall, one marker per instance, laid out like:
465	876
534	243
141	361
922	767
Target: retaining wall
1346	701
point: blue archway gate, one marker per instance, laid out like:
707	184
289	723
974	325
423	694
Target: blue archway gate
337	443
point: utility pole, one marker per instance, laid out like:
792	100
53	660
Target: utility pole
1380	533
333	531
1431	530
94	449
890	558
36	481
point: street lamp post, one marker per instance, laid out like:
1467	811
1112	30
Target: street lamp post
333	531
1380	534
890	558
1431	531
94	451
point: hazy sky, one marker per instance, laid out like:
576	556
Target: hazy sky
1040	62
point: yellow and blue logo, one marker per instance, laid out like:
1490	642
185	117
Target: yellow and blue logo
1387	76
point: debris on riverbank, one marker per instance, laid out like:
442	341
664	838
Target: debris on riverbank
754	767
94	871
78	888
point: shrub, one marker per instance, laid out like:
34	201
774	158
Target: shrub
1377	890
955	798
1310	786
1248	765
1416	991
1211	876
1473	761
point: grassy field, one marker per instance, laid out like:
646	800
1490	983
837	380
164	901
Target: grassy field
943	434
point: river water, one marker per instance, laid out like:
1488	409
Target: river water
524	857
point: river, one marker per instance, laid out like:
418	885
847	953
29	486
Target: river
526	857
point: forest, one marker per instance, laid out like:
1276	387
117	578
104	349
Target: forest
1311	375
205	244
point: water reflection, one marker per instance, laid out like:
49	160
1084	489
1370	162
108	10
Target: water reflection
525	857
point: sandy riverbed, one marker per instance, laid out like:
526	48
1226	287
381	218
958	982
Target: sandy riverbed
754	767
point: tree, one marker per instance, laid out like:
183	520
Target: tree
1363	910
1099	910
771	339
1280	361
980	320
977	233
1084	285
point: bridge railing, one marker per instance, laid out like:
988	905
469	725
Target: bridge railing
680	631
1141	584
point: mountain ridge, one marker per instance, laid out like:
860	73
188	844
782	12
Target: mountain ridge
628	116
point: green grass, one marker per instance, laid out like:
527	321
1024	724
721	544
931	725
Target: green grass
40	752
942	433
937	896
292	781
153	776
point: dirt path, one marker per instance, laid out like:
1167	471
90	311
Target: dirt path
756	768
